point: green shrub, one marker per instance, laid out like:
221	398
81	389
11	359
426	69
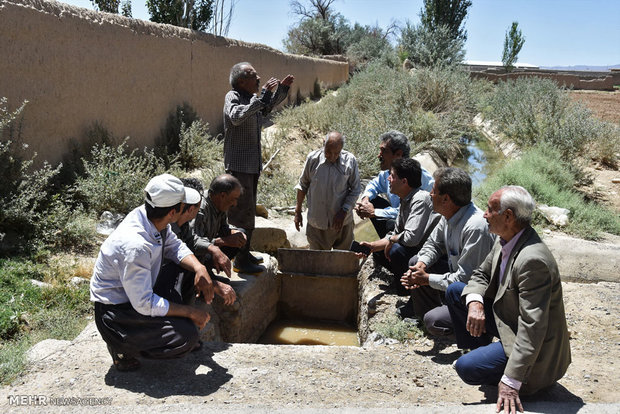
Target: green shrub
26	194
169	139
528	111
72	162
115	178
396	328
431	106
426	48
606	147
197	148
550	178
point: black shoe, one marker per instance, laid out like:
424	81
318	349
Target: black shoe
122	362
256	259
197	347
405	310
247	267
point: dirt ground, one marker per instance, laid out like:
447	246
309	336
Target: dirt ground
418	373
247	377
604	105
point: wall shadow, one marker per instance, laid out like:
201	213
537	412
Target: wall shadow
164	378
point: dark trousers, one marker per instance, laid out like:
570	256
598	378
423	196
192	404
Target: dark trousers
428	303
382	225
244	213
162	337
230	252
486	362
398	263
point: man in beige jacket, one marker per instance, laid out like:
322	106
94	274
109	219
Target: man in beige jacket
516	295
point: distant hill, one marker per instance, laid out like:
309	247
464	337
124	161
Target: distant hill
583	67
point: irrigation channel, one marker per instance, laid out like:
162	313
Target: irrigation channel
478	159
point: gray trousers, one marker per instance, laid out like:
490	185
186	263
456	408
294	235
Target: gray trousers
428	303
244	213
327	239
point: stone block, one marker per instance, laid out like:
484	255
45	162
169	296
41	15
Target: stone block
583	260
268	239
254	310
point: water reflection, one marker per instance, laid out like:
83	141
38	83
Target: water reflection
479	159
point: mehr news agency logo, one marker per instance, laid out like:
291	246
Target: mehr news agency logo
45	400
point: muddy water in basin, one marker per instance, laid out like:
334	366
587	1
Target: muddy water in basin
283	332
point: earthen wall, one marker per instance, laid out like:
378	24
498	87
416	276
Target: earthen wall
77	67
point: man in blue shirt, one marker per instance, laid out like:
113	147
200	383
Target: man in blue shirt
381	212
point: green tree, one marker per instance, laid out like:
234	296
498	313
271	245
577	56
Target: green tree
366	43
426	48
126	8
513	42
448	13
193	14
320	30
112	6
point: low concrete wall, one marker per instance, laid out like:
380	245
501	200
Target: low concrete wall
77	66
583	260
324	297
310	284
318	284
255	308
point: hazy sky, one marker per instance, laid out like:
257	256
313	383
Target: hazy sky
557	32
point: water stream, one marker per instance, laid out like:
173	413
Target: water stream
479	160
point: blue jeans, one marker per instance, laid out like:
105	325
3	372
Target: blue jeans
486	363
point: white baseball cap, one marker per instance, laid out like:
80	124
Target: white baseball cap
166	190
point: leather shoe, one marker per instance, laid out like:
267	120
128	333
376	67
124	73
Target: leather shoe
247	267
256	259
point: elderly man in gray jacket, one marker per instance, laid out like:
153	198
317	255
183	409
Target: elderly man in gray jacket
515	295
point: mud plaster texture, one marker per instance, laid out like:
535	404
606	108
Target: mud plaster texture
77	67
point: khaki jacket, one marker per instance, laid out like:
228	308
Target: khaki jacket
528	309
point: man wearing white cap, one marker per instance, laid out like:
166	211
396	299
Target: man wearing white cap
133	319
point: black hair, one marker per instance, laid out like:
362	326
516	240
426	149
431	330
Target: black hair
410	169
196	184
154	213
456	183
396	140
224	183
